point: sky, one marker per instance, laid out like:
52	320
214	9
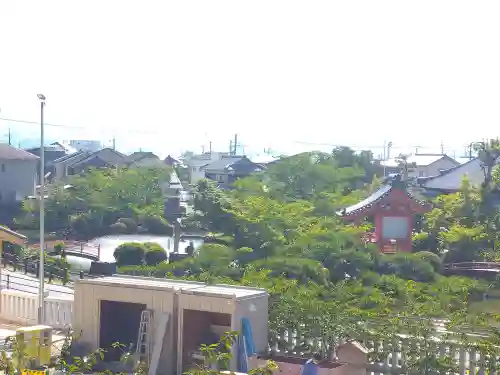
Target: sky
168	76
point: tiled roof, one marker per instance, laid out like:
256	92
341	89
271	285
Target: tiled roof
69	156
376	197
139	155
8	152
223	163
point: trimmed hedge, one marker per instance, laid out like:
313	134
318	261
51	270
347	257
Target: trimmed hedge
139	253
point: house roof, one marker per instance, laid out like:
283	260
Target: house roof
70	156
13	233
139	155
451	179
171	161
223	163
8	152
420	160
378	196
116	158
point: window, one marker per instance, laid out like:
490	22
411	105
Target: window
421	173
3	167
394	227
194	169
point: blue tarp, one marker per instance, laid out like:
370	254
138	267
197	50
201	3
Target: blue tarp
246	345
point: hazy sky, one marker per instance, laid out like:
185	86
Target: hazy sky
275	72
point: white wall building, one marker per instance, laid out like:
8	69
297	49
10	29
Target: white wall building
86	145
426	165
197	163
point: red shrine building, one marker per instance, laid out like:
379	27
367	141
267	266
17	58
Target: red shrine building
393	210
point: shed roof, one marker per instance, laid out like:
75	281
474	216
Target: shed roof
187	287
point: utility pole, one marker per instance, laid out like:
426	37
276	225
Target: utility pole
230	147
442	148
468	151
114	143
41	272
210	146
235	144
383	157
10	137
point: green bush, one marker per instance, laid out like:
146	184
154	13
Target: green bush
58	247
130	225
431	258
408	266
155	254
118	228
130	254
85	225
58	267
158	225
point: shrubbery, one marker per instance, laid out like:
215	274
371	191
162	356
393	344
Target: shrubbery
158	225
155	254
139	253
130	225
118	228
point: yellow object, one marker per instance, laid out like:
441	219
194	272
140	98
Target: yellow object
36	343
34	372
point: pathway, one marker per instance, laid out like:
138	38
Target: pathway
29	284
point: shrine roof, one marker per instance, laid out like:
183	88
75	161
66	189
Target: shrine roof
373	199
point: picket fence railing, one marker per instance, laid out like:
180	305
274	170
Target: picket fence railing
392	357
21	307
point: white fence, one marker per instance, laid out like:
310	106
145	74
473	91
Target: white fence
21	307
463	360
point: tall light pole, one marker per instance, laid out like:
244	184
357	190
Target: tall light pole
41	271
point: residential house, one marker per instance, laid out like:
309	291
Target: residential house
197	163
450	180
52	152
83	160
143	159
425	165
172	162
229	168
60	166
105	158
18	173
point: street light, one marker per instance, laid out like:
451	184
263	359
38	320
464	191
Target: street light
41	272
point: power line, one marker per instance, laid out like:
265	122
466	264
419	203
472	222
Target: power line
233	144
74	126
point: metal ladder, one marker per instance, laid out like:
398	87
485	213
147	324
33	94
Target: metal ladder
143	343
